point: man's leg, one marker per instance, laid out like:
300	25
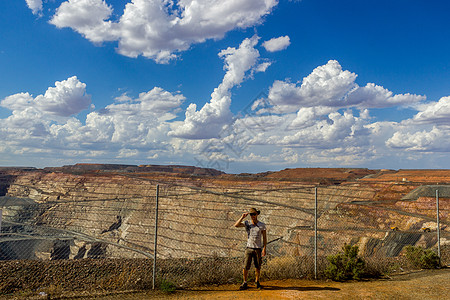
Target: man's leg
257	273
245	273
247	262
258	263
244	285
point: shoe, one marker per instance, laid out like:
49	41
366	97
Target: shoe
243	286
258	285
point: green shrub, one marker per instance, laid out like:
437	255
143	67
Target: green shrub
345	265
167	286
422	258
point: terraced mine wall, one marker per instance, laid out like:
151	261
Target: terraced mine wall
53	215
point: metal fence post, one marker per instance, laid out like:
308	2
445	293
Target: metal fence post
315	233
156	234
438	227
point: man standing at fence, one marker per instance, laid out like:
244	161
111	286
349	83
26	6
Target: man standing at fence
256	244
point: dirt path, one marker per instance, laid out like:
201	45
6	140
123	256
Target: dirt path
429	284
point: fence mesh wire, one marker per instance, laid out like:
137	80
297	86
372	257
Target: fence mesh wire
102	231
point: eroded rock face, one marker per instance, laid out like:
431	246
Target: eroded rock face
107	214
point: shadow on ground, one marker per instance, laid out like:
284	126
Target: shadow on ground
299	288
269	288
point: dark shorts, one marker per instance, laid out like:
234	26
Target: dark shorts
255	254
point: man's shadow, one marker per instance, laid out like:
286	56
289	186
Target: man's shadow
299	288
276	288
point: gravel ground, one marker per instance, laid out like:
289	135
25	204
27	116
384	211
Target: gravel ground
132	279
425	284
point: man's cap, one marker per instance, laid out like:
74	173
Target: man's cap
254	211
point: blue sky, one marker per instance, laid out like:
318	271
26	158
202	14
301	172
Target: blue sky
236	85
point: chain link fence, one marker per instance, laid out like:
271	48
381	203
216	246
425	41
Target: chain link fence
69	233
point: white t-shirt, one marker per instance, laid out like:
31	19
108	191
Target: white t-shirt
254	234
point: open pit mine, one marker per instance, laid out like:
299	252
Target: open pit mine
111	211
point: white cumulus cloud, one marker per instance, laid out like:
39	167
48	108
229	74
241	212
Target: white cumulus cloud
67	98
434	113
214	115
277	44
437	139
327	112
35	6
326	85
137	122
159	29
375	96
415	134
128	128
336	129
331	86
87	17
